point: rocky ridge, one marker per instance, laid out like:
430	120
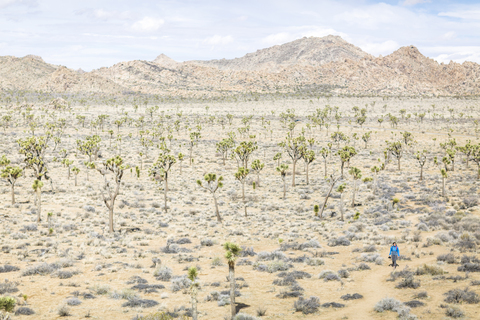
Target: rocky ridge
304	63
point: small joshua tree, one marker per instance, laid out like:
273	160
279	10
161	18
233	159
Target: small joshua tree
324	152
241	175
67	163
37	187
341	205
223	147
293	147
444	178
212	185
375	171
192	275
396	149
11	174
233	251
366	137
421	158
89	147
181	157
116	167
345	154
356	174
283	173
75	171
243	152
277	158
194	137
308	156
257	167
159	170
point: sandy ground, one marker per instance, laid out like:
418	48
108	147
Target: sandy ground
80	234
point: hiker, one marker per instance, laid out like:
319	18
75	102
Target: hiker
394	254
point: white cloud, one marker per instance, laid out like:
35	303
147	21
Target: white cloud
6	3
414	2
458	54
463	14
300	32
449	35
106	15
148	24
382	48
217	39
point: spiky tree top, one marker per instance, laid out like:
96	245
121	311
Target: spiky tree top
212	183
233	251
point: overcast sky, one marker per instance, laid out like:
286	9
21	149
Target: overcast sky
90	34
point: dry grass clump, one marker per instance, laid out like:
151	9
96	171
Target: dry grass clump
307	306
459	296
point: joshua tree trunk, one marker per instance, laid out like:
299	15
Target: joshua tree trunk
421	173
13	193
231	274
326	198
399	164
341	168
69	172
342	207
194	303
307	173
110	219
76	179
219	219
443	186
165	192
293	173
284	189
325	167
353	193
39	205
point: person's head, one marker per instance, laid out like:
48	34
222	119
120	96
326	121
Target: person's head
394	244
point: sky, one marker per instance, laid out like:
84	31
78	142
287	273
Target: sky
92	34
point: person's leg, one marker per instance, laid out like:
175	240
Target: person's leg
394	261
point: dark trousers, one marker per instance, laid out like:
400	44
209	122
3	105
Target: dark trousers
394	260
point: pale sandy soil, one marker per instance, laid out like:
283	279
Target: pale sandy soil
103	259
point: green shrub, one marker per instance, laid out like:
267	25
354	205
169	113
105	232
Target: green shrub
7	303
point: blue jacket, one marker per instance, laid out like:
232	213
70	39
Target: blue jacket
394	251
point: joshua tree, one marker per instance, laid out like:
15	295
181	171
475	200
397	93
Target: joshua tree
332	181
192	275
421	158
444	178
396	149
277	158
4	161
11	174
257	167
356	174
223	147
75	171
180	159
345	154
194	137
475	157
212	185
233	251
366	138
324	152
89	147
451	156
67	163
308	156
283	172
114	166
466	150
37	187
241	175
159	170
243	152
341	189
375	171
293	147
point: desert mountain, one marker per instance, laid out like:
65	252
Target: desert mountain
313	64
311	51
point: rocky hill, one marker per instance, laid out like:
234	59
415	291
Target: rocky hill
306	51
304	64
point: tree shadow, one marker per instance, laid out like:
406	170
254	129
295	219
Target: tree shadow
239	306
